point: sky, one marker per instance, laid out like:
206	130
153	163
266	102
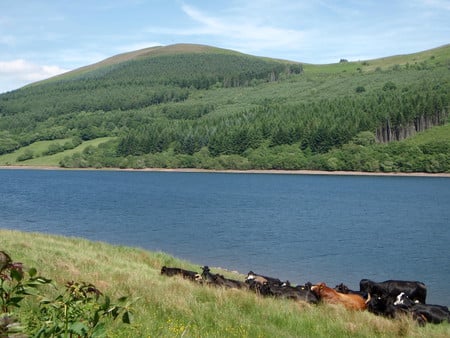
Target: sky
42	38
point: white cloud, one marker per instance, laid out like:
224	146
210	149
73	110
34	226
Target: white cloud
29	71
17	73
242	31
438	4
214	25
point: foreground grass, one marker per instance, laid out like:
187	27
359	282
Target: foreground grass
173	307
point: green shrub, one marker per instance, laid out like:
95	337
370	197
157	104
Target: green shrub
54	148
27	155
80	310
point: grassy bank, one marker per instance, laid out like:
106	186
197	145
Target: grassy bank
171	306
38	156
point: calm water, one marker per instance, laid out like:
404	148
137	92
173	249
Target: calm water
296	227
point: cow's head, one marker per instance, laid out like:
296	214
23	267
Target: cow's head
365	285
342	288
318	288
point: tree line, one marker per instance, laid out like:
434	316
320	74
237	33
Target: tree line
317	126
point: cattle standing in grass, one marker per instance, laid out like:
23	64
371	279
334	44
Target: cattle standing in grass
168	271
416	291
329	295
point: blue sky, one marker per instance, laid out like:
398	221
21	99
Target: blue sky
43	38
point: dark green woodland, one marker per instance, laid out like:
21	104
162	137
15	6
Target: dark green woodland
194	106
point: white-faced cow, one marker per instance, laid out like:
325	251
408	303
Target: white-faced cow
416	291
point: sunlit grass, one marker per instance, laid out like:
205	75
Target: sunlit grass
435	56
173	307
441	133
38	149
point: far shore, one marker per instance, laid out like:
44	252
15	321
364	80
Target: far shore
251	171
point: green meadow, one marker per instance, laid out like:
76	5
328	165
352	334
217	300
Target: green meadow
37	153
173	307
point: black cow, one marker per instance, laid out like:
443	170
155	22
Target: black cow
417	291
220	280
170	271
251	276
306	294
383	306
285	290
307	286
430	313
342	288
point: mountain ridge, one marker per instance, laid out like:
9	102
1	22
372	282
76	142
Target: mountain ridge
155	51
188	48
197	106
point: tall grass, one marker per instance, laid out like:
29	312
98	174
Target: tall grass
173	307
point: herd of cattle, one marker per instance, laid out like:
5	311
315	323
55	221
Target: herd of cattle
389	298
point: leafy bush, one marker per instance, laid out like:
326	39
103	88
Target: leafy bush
54	148
81	310
15	285
27	155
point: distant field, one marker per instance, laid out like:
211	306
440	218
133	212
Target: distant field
38	148
436	56
441	133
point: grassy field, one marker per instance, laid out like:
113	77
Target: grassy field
173	307
437	133
38	149
433	56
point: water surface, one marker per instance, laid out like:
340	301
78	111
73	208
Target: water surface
295	227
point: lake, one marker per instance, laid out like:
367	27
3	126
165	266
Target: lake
295	227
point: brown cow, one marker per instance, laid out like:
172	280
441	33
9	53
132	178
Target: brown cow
329	295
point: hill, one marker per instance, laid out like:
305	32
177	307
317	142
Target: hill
171	306
196	106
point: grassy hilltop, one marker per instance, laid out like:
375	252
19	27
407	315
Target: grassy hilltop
196	106
173	307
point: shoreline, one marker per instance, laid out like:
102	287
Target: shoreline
233	171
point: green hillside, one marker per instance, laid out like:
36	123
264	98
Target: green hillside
196	106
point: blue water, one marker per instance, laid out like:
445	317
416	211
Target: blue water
295	227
